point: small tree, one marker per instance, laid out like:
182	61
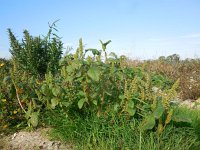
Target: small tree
36	55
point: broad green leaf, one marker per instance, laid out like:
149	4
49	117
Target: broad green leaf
81	93
54	102
34	119
122	97
181	118
131	104
66	104
44	89
94	73
148	123
131	111
94	102
80	103
56	91
159	108
94	51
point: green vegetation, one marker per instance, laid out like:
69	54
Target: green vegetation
95	100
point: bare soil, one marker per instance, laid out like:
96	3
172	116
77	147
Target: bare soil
35	140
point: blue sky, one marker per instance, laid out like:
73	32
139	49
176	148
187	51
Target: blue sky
138	28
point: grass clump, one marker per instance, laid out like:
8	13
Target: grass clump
92	132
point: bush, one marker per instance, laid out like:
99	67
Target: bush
36	55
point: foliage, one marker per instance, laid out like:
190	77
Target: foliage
10	113
36	55
89	86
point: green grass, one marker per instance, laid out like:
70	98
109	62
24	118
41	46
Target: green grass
114	133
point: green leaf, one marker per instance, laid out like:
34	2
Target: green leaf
181	118
131	111
44	89
131	104
56	91
34	103
108	93
81	93
66	104
94	51
94	73
28	113
69	69
159	108
94	102
122	97
113	55
34	119
148	123
54	102
104	44
80	103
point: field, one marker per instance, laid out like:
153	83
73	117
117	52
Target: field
94	100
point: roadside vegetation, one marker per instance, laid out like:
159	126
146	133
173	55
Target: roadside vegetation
95	100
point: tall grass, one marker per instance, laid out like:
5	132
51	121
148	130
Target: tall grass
113	133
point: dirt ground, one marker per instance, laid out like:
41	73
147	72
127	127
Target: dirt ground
36	140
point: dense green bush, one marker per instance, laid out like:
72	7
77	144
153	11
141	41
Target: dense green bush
36	55
91	85
89	82
10	112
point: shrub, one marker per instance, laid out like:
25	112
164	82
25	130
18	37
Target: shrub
36	55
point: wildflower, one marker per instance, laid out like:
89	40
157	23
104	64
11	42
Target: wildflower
3	100
19	91
5	126
15	112
2	64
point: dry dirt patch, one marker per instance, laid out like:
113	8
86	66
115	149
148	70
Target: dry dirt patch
35	140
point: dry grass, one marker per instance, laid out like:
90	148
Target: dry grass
188	71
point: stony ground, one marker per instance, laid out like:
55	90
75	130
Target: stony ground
36	140
191	104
